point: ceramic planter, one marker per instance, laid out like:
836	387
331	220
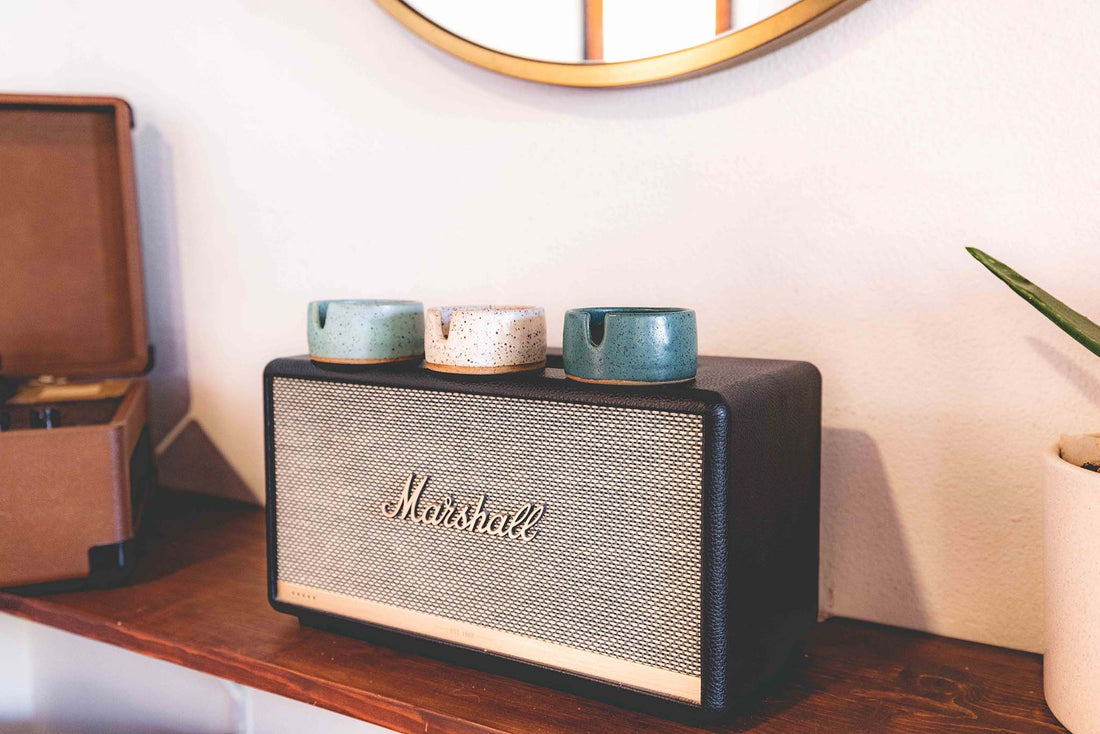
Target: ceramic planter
1071	664
630	346
485	340
360	331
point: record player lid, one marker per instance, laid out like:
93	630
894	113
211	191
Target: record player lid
72	298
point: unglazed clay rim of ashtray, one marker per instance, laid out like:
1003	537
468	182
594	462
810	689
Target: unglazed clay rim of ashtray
468	340
607	360
380	337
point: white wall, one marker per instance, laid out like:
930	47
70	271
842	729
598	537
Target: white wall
74	685
16	688
811	204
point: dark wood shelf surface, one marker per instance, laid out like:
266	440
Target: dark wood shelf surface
199	600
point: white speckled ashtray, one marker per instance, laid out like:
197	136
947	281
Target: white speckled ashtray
485	340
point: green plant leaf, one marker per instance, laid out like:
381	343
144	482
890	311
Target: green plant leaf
1071	322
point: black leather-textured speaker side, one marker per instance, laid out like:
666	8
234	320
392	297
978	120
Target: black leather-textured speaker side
774	514
715	558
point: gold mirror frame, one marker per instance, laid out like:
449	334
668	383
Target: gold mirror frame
787	25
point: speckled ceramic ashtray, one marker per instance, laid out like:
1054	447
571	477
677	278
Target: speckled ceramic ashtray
360	331
485	340
630	346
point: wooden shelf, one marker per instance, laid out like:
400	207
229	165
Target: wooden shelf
199	600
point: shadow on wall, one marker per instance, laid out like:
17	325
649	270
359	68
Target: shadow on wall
186	457
863	548
160	250
193	463
1083	380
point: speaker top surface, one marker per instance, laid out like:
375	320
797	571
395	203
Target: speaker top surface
720	380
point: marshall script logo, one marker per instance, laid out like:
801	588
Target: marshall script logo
474	518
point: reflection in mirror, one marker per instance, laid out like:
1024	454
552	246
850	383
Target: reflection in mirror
574	31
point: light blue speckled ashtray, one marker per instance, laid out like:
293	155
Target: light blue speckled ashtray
355	331
630	346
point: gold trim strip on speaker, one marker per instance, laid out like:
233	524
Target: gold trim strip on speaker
614	670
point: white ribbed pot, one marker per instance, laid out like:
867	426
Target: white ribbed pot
1071	663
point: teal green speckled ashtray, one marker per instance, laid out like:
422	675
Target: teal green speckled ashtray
355	331
630	346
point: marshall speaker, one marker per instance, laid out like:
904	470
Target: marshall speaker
657	546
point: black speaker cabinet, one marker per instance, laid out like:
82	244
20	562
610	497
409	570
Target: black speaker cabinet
657	547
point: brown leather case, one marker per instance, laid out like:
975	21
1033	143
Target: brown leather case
72	307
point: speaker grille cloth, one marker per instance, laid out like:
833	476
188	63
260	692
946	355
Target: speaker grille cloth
615	567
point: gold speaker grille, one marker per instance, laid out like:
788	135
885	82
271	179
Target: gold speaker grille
615	567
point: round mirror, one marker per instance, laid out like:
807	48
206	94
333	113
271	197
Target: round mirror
604	43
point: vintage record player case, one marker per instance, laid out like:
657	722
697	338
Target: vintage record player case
653	546
75	454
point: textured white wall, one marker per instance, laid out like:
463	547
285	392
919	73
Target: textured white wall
811	204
